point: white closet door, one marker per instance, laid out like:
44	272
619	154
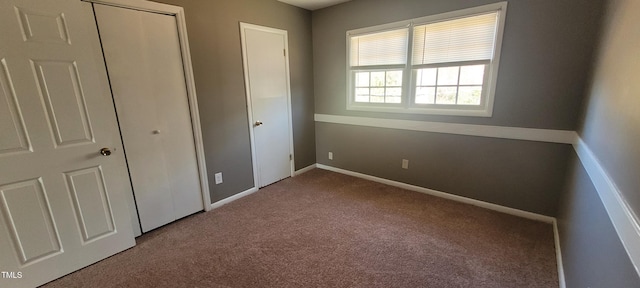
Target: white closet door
142	51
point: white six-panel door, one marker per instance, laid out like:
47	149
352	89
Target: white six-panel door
268	94
143	56
62	203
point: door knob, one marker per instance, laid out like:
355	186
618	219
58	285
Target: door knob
105	151
258	123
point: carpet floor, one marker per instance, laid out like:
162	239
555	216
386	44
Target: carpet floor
324	229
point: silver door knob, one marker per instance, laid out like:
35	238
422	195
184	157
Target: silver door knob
105	151
258	123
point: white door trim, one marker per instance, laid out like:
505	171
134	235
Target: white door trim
178	12
142	5
284	33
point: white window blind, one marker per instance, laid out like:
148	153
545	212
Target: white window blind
463	39
384	48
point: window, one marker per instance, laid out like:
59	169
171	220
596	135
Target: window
383	86
443	64
377	61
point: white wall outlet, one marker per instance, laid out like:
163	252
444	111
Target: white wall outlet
330	155
218	178
405	164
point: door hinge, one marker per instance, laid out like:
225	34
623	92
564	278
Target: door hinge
284	52
290	157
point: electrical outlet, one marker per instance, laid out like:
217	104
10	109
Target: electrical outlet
330	155
405	164
218	178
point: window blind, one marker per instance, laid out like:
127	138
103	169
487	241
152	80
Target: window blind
384	48
464	39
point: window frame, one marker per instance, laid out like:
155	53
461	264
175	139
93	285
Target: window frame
409	87
371	70
414	85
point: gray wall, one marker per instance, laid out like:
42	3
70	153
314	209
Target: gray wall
524	175
593	253
214	39
545	61
546	55
611	126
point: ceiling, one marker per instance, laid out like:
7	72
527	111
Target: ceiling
313	4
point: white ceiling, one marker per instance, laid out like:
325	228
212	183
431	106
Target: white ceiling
313	4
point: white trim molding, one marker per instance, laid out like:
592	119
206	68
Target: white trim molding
142	5
516	133
624	220
233	198
556	237
305	169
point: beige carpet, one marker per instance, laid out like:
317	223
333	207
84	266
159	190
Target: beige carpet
324	229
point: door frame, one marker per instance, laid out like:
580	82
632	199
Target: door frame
245	64
178	12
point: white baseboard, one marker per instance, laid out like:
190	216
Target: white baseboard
254	189
233	198
305	169
487	205
556	237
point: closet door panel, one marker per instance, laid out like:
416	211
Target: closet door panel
171	98
144	61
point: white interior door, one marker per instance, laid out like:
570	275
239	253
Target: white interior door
142	52
267	79
62	203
